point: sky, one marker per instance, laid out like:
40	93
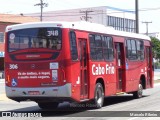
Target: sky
149	10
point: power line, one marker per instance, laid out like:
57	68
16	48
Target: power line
140	10
63	14
42	5
56	14
73	12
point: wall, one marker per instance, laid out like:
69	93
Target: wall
3	26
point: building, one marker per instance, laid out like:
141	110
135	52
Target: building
155	34
5	20
120	19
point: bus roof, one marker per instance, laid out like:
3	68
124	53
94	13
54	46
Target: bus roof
82	25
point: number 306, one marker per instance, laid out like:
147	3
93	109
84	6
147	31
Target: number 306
13	66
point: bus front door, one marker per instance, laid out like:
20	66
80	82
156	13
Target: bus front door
120	57
83	69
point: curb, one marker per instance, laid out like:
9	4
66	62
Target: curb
156	81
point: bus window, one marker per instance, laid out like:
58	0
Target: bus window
108	48
49	38
135	49
140	49
131	50
73	46
96	50
134	52
99	50
92	47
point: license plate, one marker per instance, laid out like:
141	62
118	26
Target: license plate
33	92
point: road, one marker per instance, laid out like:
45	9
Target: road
121	104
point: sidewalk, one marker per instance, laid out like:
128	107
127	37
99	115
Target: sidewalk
156	75
1	80
3	97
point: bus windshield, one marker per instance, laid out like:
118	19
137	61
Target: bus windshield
33	38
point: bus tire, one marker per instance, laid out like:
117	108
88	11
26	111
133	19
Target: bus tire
48	105
139	92
98	96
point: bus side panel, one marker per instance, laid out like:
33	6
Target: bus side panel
111	80
137	69
133	75
108	77
71	68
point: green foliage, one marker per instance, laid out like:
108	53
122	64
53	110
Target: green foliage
155	47
157	65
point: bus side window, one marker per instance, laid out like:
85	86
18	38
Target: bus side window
73	46
92	47
108	48
135	49
140	49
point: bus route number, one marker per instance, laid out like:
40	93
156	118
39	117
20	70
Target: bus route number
13	66
52	33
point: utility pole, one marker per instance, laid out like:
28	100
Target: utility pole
86	17
146	26
42	5
137	16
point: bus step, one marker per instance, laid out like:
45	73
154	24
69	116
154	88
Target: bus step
120	93
84	100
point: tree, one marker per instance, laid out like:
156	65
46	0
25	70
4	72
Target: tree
156	48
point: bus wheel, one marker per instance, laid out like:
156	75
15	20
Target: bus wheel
48	105
98	96
138	94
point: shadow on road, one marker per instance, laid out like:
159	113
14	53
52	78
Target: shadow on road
76	110
119	99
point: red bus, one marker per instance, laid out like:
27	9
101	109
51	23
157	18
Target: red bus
53	62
